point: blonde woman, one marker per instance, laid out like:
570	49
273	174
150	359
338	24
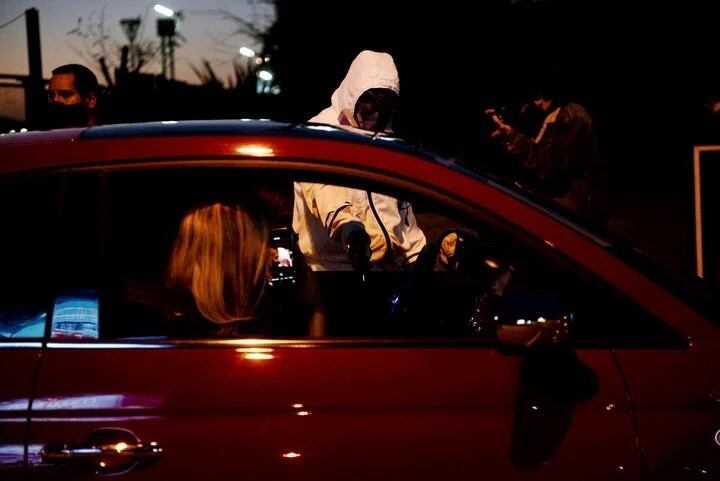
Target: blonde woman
221	256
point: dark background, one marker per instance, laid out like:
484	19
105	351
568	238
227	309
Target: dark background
645	71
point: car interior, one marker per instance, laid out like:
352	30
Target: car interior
110	241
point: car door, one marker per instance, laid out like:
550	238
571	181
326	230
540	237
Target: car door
28	211
120	392
676	394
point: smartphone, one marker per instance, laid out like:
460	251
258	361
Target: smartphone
282	270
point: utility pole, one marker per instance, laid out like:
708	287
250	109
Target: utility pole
35	85
166	32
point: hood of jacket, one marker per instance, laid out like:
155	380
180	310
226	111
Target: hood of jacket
368	70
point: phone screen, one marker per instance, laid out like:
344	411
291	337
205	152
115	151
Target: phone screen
282	270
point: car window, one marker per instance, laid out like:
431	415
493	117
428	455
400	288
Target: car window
28	208
75	299
146	214
138	269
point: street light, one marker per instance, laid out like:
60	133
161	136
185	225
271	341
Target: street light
130	26
263	72
246	52
163	10
167	31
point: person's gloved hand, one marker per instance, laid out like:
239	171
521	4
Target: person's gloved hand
448	251
357	246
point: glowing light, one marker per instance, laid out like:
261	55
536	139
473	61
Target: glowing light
549	244
120	447
303	413
169	122
291	455
102	464
258	61
163	10
258	356
255	150
610	407
491	263
520	322
534	408
255	353
265	75
297	406
246	52
541	320
253	349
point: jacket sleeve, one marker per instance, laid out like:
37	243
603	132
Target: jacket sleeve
559	157
334	206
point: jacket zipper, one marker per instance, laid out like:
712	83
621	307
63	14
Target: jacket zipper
382	226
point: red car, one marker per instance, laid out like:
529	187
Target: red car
542	351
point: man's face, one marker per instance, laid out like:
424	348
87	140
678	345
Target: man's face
66	106
62	90
367	116
374	109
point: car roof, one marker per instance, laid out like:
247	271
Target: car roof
65	147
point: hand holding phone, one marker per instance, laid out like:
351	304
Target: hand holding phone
282	270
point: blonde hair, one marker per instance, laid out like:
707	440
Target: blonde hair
221	256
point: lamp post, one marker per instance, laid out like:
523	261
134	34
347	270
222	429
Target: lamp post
130	27
167	31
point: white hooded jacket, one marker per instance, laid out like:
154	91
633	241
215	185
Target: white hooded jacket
321	210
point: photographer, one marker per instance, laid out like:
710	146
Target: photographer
559	160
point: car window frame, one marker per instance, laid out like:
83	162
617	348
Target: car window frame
299	168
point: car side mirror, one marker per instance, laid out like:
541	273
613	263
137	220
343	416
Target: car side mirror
505	309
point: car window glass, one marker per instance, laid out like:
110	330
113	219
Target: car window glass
76	302
28	209
147	213
435	297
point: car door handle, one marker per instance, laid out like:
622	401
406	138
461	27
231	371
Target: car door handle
107	450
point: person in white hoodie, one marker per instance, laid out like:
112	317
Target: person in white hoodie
340	228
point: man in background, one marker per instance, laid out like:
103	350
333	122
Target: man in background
72	97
